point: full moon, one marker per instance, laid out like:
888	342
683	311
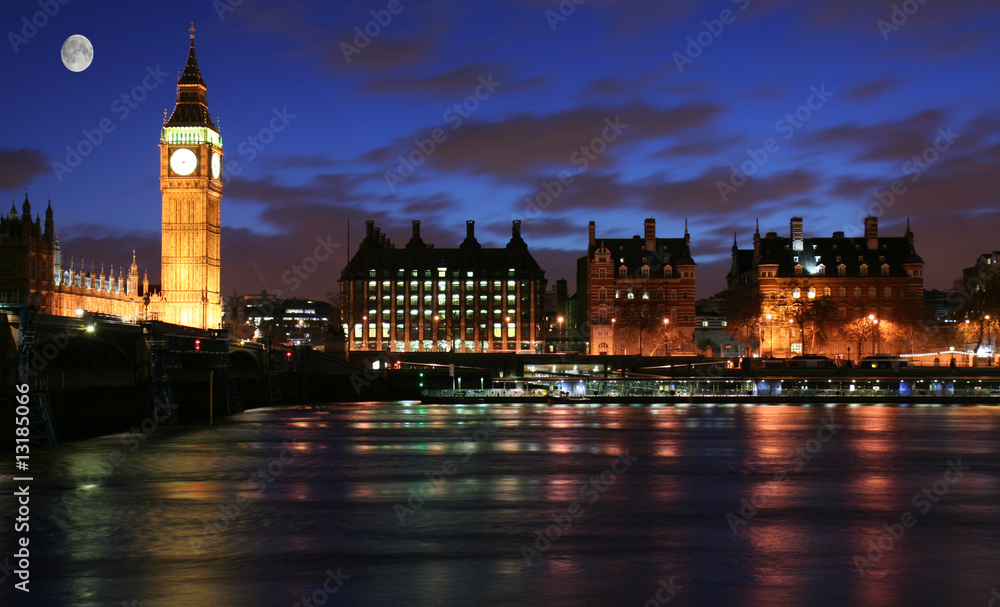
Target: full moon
77	53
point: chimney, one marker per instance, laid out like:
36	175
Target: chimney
796	224
592	230
416	229
871	232
369	228
470	229
377	235
650	226
515	229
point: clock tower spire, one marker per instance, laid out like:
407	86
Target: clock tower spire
191	185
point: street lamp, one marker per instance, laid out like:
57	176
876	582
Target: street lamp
560	336
437	317
874	322
506	333
770	335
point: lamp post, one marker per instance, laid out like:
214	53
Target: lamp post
506	333
613	338
559	337
364	331
666	343
435	329
874	322
770	335
791	321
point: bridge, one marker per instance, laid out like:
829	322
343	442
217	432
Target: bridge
96	373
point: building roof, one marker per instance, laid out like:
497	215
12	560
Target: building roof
192	104
830	252
377	253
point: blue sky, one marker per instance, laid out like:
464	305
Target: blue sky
819	106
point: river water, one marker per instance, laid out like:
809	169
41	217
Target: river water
439	505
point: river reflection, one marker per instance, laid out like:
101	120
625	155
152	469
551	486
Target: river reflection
522	505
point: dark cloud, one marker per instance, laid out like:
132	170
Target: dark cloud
871	89
528	144
19	167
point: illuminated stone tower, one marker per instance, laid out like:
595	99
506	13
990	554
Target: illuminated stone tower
191	183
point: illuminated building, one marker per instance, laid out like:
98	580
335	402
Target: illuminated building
191	183
638	292
425	299
32	267
801	295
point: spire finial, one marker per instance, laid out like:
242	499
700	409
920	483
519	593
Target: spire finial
192	30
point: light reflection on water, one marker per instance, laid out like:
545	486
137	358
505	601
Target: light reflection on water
295	492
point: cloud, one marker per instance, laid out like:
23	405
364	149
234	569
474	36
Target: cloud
20	167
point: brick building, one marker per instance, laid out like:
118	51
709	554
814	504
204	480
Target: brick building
829	295
637	294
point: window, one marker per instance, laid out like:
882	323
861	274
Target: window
668	271
673	294
872	292
826	291
842	312
602	314
857	292
841	292
864	269
885	269
812	293
645	272
887	292
602	273
622	272
821	270
645	294
798	270
796	293
841	269
602	294
631	295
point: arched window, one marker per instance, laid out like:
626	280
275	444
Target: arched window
857	291
872	293
826	291
631	295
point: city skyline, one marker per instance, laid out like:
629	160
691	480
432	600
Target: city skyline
862	88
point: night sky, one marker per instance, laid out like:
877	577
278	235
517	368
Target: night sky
831	104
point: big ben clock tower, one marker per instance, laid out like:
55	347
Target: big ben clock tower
191	183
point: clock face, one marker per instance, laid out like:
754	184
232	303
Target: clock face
216	166
183	161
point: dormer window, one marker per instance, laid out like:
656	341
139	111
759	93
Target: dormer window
885	269
645	271
864	269
668	271
821	270
798	270
622	272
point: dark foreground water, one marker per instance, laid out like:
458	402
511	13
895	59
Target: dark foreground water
404	504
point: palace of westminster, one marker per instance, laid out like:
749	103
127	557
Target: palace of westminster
469	298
